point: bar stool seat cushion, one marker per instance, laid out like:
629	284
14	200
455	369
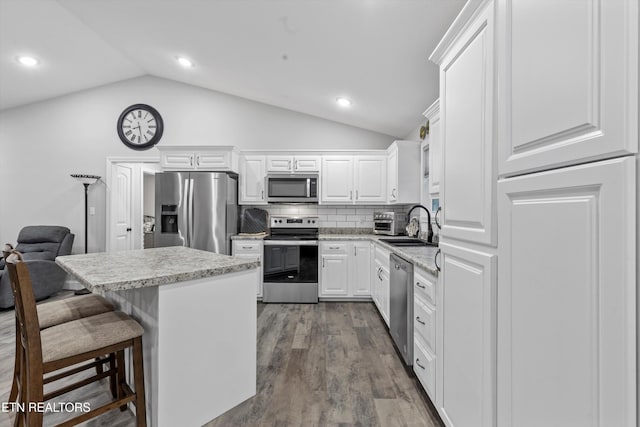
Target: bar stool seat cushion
57	312
87	334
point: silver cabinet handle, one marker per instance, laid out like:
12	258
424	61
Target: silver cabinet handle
435	218
191	161
197	160
435	259
262	194
354	251
289	163
356	194
247	247
295	164
322	262
420	286
418	363
393	193
379	272
396	266
351	195
419	321
334	247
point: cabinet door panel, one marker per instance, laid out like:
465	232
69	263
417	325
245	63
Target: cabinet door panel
435	155
213	161
360	281
468	181
370	179
279	163
466	338
567	297
251	180
334	275
569	98
177	160
306	163
337	180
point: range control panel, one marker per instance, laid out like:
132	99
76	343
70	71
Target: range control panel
294	222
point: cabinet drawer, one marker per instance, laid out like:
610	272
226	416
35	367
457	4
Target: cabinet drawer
424	365
424	323
247	247
424	285
177	160
216	161
334	248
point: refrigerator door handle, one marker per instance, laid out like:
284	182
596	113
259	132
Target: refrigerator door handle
191	212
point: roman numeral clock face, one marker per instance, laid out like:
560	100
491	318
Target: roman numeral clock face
140	127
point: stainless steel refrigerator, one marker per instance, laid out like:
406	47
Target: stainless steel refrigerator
196	209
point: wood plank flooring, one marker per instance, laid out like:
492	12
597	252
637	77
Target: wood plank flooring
326	364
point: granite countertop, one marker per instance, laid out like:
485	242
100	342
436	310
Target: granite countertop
420	256
142	268
257	236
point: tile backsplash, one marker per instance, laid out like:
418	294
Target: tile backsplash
334	216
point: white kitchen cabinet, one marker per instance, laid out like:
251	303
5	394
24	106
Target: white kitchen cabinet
567	297
370	179
337	180
466	338
403	172
205	158
353	179
360	269
467	98
292	164
253	250
252	180
432	114
380	281
566	99
425	330
346	269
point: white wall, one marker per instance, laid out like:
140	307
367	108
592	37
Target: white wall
42	144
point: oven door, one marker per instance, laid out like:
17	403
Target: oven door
384	226
292	188
290	271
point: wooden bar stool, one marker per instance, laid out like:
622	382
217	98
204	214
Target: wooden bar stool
55	313
67	344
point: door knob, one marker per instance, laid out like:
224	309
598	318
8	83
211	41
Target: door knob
128	229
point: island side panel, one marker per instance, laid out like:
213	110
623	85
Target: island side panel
142	305
207	347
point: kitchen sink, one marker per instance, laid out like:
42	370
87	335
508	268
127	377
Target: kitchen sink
408	242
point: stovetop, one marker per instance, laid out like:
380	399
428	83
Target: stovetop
293	228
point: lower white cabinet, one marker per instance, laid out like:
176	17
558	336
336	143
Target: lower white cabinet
566	297
380	276
345	269
466	337
425	330
250	249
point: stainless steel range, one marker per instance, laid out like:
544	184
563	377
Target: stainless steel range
291	260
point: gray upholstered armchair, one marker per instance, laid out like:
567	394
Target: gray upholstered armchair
40	245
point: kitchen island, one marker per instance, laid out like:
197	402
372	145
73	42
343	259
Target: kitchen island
199	315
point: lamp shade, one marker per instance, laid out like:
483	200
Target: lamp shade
86	179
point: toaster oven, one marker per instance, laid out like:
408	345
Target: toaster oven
389	223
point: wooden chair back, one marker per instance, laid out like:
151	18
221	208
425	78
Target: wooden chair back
25	306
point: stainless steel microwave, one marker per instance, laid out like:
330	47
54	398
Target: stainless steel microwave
292	188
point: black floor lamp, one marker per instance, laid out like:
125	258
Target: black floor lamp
86	180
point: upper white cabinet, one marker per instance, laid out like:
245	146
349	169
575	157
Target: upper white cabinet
469	174
252	180
570	76
205	158
403	172
353	179
567	297
337	180
435	147
292	164
466	338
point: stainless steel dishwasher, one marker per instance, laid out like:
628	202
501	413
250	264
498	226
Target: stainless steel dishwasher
401	306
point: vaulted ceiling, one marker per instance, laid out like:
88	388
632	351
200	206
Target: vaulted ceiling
296	54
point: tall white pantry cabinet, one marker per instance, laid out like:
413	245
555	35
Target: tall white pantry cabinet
539	191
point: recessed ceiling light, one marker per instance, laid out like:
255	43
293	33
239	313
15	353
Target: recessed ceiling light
343	102
185	62
27	61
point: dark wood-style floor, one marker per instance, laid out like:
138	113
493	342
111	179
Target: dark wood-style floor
326	364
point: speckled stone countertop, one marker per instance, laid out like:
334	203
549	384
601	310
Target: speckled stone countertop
420	256
258	236
141	268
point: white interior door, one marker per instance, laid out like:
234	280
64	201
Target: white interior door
121	208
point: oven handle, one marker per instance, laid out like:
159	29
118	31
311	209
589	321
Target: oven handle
291	243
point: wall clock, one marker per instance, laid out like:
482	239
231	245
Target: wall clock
140	126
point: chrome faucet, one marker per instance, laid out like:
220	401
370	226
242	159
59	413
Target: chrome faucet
430	231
